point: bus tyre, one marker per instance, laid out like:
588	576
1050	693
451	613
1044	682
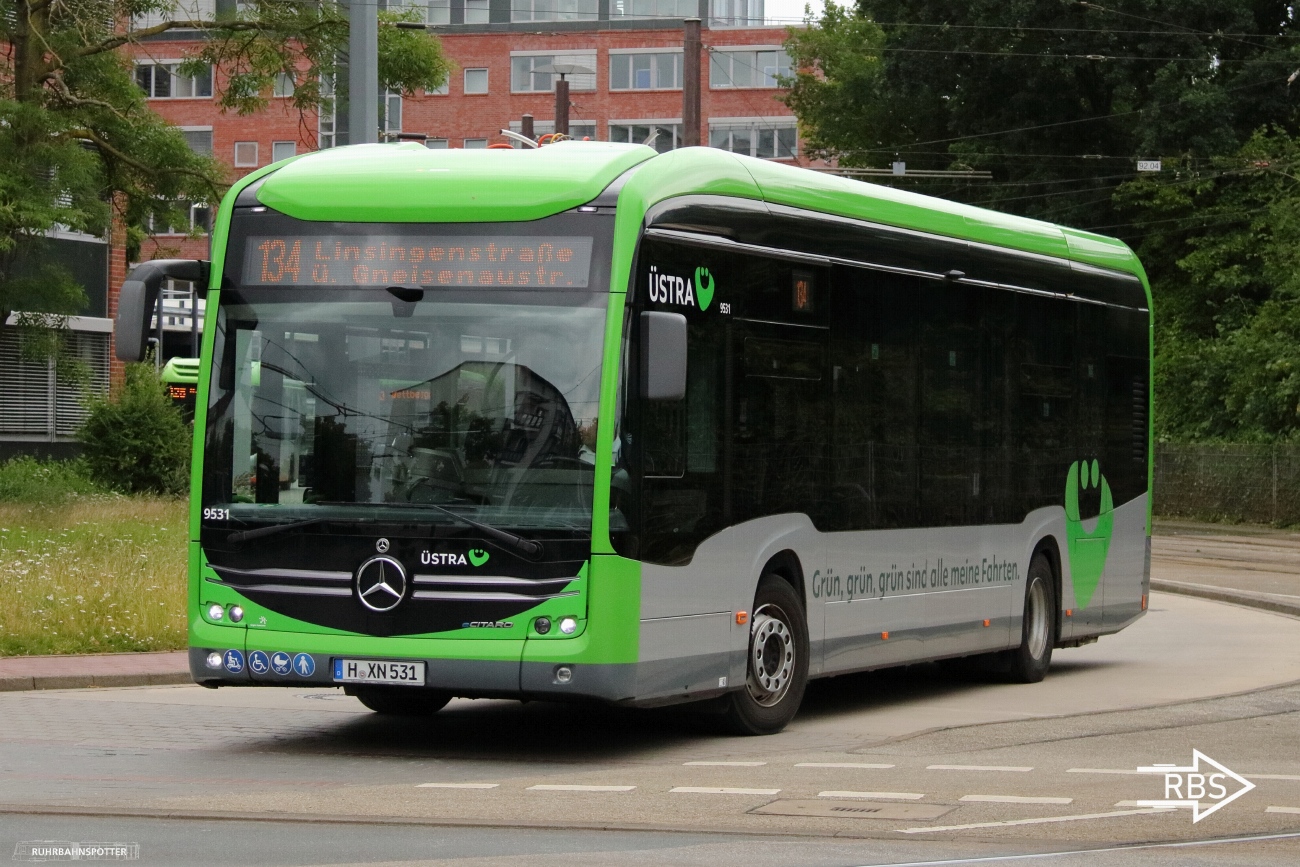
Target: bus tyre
400	700
777	670
1029	662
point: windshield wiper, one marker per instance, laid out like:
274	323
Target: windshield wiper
529	549
273	529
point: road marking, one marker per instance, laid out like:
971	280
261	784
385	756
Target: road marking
724	764
1138	804
1042	821
976	768
894	796
712	790
568	788
1283	810
1126	771
1013	799
840	765
457	785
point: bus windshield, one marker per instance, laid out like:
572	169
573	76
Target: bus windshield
346	403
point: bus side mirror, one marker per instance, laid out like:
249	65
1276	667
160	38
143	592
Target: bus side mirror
139	297
663	356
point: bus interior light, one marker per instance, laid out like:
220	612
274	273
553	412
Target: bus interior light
568	625
214	660
237	614
215	611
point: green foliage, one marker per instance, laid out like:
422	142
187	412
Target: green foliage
134	441
78	140
25	479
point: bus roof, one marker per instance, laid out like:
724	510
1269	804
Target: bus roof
180	370
408	182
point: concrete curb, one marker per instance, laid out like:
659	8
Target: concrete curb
1236	597
81	681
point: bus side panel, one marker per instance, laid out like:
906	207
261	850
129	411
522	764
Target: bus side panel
1124	580
690	640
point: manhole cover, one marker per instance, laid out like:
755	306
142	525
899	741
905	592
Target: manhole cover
853	810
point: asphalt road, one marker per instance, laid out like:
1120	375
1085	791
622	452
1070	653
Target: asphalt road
911	765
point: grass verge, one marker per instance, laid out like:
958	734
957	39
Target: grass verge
97	574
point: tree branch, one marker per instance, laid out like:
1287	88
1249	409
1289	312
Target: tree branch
121	39
142	167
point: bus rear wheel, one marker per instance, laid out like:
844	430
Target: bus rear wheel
400	700
1029	662
777	670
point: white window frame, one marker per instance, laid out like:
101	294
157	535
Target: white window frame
526	11
475	146
668	122
577	83
755	125
487	81
623	52
275	144
284	86
206	129
755	71
244	163
170	66
482	12
615	15
437	144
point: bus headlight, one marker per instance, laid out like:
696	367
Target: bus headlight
568	625
236	614
216	612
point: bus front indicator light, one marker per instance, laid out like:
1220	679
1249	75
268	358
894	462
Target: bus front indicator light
216	612
542	625
568	625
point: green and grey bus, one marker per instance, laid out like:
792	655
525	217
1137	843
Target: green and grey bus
181	376
591	422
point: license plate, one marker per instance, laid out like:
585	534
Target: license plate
378	671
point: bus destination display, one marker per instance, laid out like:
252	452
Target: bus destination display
493	261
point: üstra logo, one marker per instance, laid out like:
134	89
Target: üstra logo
683	291
1087	548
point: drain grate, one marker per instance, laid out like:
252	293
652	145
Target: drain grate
854	810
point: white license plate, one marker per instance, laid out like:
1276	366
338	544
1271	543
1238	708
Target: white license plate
378	671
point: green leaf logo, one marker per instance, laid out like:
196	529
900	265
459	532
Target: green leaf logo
703	287
478	557
1087	550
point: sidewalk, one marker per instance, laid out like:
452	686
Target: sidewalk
98	669
1254	566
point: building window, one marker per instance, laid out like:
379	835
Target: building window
578	129
245	154
747	68
552	10
284	85
646	71
524	80
441	90
282	150
392	113
654	9
199	139
475	143
432	11
735	13
35	402
768	138
160	81
195	217
436	144
476	81
476	12
669	134
327	119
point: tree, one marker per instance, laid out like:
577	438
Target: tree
78	141
1056	99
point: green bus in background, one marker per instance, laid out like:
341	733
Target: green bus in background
181	376
591	422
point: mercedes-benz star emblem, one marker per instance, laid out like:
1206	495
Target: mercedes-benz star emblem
381	584
382	546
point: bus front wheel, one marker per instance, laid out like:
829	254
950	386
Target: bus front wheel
777	670
400	700
1029	662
